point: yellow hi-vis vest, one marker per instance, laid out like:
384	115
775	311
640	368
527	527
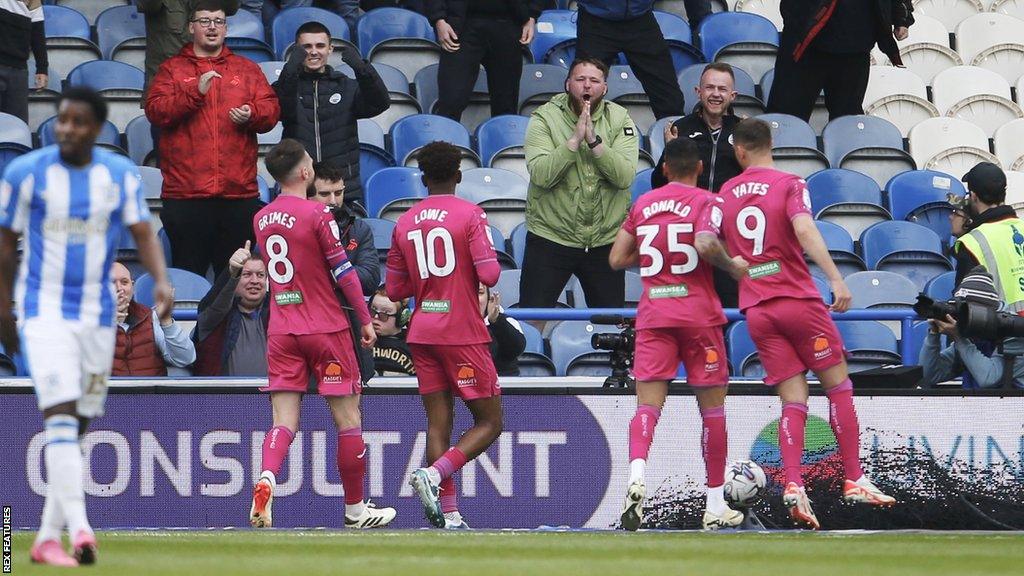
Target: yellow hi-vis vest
999	247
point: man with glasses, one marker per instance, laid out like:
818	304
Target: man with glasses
209	104
391	354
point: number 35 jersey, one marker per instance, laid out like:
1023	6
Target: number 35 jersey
759	207
299	242
678	286
438	249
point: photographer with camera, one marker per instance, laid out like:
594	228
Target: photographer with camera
985	349
356	236
993	237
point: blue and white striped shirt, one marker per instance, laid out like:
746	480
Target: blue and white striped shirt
72	219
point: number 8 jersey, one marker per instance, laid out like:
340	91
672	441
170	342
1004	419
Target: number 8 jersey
299	242
759	206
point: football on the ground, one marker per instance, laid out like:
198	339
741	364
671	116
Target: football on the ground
744	483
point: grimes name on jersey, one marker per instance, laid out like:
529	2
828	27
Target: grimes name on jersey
283	218
674	206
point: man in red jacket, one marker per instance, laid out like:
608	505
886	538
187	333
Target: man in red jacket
209	104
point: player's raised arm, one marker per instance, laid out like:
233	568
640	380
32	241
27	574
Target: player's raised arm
485	259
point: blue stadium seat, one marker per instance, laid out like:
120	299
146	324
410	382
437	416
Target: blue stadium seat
840	248
823	288
68	40
849	199
742	352
625	89
481	185
878	289
246	37
478	108
679	39
642	183
534	340
121	85
152	186
918	333
371	133
115	26
14	133
656	136
371	161
264	189
501	249
866	144
746	92
402	102
63	22
517	242
382	230
399	37
288	21
794	145
909	249
533	361
634	289
570	341
538	83
109	137
940	288
412	132
502	139
393	188
920	196
189	288
42	103
552	28
869	344
139	139
508	287
745	40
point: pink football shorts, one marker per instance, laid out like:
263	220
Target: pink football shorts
702	350
330	357
466	370
794	335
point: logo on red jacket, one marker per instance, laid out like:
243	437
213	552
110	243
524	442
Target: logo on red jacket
235	80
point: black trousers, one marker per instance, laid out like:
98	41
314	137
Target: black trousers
14	91
207	232
548	265
641	41
495	45
844	77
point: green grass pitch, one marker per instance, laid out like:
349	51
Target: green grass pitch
423	552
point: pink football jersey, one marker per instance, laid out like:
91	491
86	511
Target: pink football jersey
299	242
678	286
440	251
759	206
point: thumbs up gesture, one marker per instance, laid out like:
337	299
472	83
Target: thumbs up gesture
238	259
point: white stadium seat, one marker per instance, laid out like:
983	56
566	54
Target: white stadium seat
977	95
926	30
1011	7
949	12
767	8
1009	145
994	42
949	145
899	96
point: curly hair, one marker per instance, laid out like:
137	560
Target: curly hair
439	161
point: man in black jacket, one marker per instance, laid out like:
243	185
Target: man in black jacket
507	338
21	30
475	32
357	238
710	125
320	105
826	44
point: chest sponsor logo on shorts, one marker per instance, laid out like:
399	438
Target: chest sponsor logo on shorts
671	291
286	298
332	373
436	306
766	269
822	348
711	359
466	376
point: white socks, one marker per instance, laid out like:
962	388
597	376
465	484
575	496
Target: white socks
270	477
716	500
354	511
434	475
63	457
636	470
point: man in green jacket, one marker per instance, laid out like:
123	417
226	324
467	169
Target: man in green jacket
582	155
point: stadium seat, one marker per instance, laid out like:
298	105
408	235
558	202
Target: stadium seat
88	8
121	35
382	231
642	183
949	12
517	243
43	103
819	114
994	42
840	248
977	95
742	352
371	161
139	140
478	109
868	344
152	186
679	39
920	196
189	288
625	89
370	133
794	145
570	340
538	83
634	289
287	21
246	37
402	102
392	191
121	85
918	333
823	288
402	38
533	361
1009	144
746	103
14	132
272	70
500	248
949	145
656	136
767	8
501	193
913	251
866	144
68	42
264	190
1015	191
748	41
940	288
264	142
899	96
878	289
501	141
552	27
508	287
412	132
926	50
108	138
1013	8
850	199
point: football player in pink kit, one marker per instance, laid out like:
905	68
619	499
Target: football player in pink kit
679	319
309	332
440	253
767	221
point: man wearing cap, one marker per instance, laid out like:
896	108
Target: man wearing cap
982	364
995	238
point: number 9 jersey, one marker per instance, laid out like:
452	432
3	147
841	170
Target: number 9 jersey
759	206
